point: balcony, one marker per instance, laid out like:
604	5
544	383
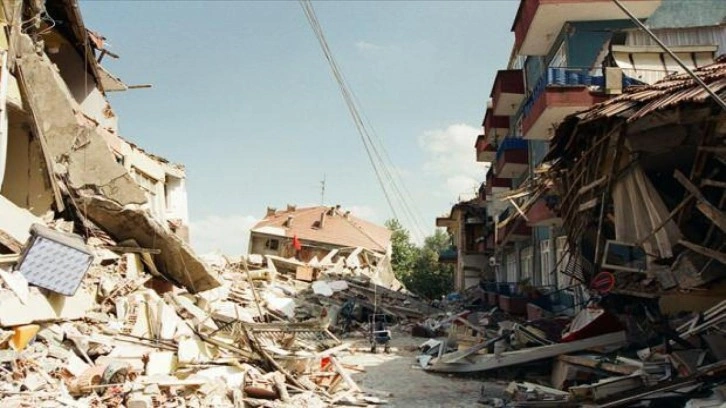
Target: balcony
560	92
485	151
495	127
496	185
514	231
445	222
507	92
512	158
538	22
541	213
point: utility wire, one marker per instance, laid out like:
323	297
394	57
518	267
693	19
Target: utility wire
376	158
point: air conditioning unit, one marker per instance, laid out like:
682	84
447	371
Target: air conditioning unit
613	80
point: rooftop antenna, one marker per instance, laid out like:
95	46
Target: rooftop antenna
322	191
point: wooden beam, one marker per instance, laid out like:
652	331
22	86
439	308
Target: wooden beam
133	250
509	358
597	364
706	207
713	183
596	183
713	149
588	205
719	256
666	220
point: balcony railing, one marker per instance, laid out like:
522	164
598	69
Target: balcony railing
510	143
575	77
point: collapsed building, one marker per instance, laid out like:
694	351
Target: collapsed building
61	150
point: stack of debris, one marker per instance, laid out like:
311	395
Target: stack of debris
89	321
591	361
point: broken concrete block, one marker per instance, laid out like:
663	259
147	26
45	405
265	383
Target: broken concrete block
176	261
40	308
22	335
139	400
17	283
161	363
134	266
15	225
192	351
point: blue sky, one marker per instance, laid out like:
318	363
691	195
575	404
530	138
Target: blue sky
244	98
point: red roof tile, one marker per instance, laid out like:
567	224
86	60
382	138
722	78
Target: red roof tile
338	229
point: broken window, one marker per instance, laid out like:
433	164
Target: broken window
545	253
512	267
527	255
151	187
272	244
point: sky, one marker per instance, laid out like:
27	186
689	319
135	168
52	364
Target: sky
243	97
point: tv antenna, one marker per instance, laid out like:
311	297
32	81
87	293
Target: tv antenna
322	191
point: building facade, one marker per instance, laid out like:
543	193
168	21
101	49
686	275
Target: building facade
567	56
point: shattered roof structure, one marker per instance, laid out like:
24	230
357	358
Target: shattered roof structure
647	169
337	227
636	102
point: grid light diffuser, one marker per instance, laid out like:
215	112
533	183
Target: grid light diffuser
54	260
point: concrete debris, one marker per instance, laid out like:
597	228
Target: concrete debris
593	362
125	338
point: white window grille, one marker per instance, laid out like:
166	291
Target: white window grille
563	258
545	254
527	255
151	188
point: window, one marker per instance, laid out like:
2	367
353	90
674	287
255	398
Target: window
151	187
512	267
544	248
272	244
527	264
559	60
562	261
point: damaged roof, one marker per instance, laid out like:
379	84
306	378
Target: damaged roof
337	228
637	102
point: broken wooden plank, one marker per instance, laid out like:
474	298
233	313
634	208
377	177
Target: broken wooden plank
132	250
597	364
713	183
588	187
588	205
719	256
492	361
706	207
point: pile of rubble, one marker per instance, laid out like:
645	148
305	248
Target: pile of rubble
592	360
88	321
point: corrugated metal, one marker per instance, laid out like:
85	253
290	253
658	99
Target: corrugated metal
714	35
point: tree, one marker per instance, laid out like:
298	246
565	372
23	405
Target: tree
404	252
419	268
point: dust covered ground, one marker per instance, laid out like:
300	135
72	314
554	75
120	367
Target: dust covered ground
397	377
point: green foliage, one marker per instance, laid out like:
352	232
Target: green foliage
419	268
404	251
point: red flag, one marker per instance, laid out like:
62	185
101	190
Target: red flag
296	243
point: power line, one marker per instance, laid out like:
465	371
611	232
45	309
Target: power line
377	159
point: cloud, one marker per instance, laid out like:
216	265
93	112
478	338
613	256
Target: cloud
228	234
450	155
365	212
365	46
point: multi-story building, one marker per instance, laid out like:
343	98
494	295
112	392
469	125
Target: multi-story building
82	85
567	56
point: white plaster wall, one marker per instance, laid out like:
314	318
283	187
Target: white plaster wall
26	181
177	206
